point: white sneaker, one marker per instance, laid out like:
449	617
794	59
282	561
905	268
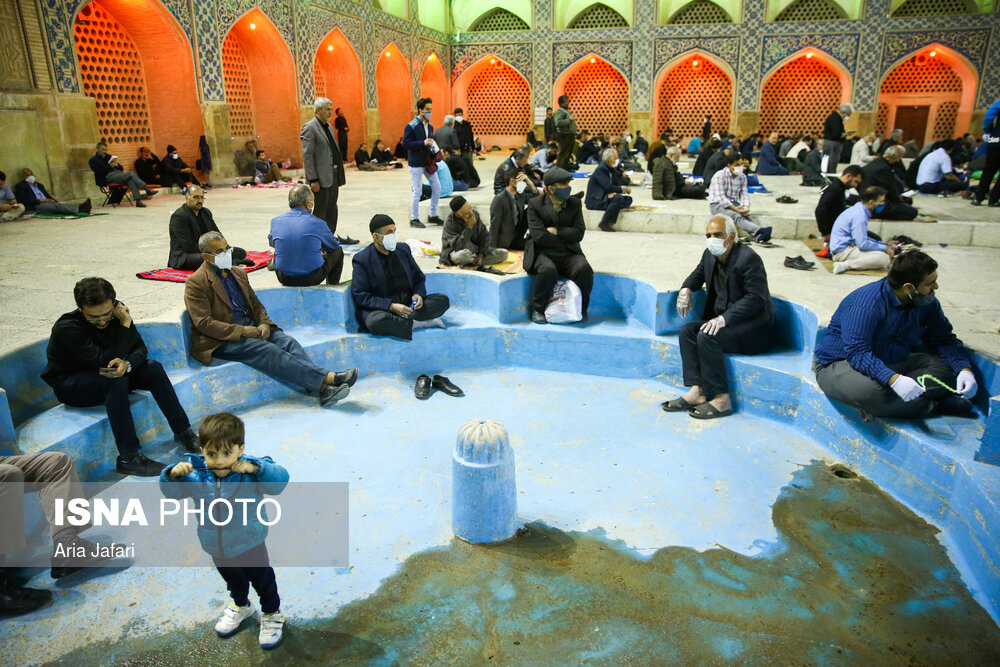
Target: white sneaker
232	616
270	630
839	267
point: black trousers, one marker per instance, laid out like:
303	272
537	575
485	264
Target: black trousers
548	269
691	192
989	171
342	144
612	207
384	323
239	577
87	389
565	153
325	205
943	186
468	157
897	211
333	266
179	179
704	356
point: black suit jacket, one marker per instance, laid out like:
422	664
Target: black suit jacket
184	235
569	229
833	128
879	172
25	195
749	296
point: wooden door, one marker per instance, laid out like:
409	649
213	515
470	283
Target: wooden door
912	120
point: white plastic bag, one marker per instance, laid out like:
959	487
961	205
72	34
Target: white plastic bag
566	304
418	247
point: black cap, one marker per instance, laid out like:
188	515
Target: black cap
457	203
379	221
170	149
557	175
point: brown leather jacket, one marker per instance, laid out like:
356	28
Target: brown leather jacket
212	314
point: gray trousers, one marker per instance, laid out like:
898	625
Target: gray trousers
51	474
129	178
57	208
840	382
384	323
742	221
280	356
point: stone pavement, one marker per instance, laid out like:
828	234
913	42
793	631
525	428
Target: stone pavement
44	258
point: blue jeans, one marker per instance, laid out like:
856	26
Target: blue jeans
280	357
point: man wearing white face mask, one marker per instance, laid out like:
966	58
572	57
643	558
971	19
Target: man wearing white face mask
604	193
738	319
728	196
388	287
229	322
175	170
35	197
508	218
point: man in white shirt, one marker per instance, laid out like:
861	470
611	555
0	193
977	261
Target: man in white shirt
861	154
935	174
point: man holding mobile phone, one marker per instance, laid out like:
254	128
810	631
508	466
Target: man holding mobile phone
96	356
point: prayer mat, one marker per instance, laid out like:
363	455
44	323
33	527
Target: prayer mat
260	259
273	184
817	244
512	265
68	216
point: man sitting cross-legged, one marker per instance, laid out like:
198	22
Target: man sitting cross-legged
187	224
388	287
96	356
738	318
465	241
229	322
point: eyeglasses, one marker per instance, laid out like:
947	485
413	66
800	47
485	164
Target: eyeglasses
93	319
198	197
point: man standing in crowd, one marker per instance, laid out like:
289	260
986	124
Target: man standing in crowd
324	165
833	135
867	358
305	252
737	319
991	128
340	123
96	356
467	144
566	130
550	126
418	138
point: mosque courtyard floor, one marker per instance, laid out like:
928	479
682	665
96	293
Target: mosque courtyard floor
650	538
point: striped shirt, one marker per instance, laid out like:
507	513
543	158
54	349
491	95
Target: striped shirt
727	189
871	328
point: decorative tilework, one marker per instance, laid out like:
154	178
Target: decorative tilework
842	47
618	54
279	12
518	56
727	49
313	25
970	43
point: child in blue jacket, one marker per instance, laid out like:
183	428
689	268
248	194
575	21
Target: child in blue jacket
237	549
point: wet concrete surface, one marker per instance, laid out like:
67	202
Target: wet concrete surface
853	578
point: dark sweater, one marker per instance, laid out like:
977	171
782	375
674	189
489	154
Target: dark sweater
76	345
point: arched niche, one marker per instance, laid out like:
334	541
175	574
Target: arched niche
851	9
259	76
936	77
598	93
434	84
339	78
798	93
565	12
668	9
496	98
152	104
689	87
970	7
395	99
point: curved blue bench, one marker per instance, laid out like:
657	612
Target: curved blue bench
937	466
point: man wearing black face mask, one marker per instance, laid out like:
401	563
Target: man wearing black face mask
867	360
555	229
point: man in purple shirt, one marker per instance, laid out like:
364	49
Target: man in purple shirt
850	246
867	358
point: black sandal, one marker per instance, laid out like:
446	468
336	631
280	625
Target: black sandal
676	405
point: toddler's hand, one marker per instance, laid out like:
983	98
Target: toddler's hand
246	467
181	469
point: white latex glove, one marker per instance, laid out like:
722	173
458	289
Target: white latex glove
714	325
684	302
967	384
907	388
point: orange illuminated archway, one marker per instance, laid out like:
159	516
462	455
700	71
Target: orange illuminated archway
690	87
799	93
434	84
598	94
395	106
338	78
497	101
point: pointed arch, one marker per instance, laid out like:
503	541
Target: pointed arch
259	77
688	88
338	77
813	10
798	93
467	13
434	84
945	81
598	93
567	13
395	99
153	102
687	11
497	99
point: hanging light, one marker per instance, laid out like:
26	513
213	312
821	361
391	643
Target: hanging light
809	55
493	61
329	48
933	54
593	60
253	26
387	54
430	57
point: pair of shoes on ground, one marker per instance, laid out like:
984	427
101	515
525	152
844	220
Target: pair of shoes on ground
433	220
422	389
703	411
799	263
979	202
341	387
785	199
271	625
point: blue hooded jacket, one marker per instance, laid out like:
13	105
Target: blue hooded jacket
233	538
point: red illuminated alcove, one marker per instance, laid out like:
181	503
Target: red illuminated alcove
689	88
598	95
338	78
268	72
496	99
154	106
395	106
801	91
434	84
